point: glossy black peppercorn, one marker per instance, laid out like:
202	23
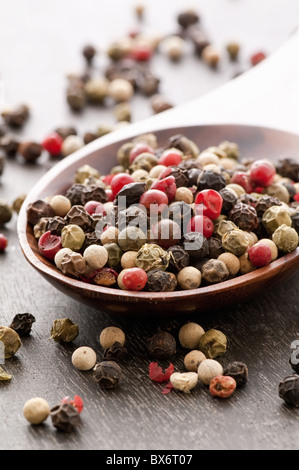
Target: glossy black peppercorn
215	247
210	180
264	202
288	390
229	200
237	370
22	323
107	374
65	417
196	245
162	345
288	168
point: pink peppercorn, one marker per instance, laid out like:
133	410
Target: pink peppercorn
53	143
222	386
3	242
134	279
259	255
257	58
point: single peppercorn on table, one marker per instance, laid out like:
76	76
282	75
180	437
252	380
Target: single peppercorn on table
136	415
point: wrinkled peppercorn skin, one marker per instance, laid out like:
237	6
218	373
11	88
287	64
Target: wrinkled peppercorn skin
65	417
244	216
162	345
107	374
288	390
22	323
237	370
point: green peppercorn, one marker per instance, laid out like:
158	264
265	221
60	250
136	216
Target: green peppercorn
231	149
144	161
85	172
4	375
72	236
18	202
11	341
274	217
235	241
285	238
5	212
123	154
63	329
152	256
222	227
114	255
213	343
131	238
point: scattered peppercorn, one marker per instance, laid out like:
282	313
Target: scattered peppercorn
22	323
36	410
162	345
84	358
4	375
288	390
213	343
11	341
208	369
63	329
184	381
222	386
238	370
65	417
117	352
107	374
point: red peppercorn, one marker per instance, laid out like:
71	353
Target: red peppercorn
119	181
3	242
222	386
242	179
296	197
208	202
154	200
142	53
110	195
108	178
201	224
139	149
49	245
134	279
167	185
53	143
260	255
257	58
170	157
262	173
94	207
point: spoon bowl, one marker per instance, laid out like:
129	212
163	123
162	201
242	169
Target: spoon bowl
254	142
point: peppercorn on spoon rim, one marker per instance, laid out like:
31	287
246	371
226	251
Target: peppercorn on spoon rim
99	296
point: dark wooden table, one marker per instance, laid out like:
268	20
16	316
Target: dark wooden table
136	415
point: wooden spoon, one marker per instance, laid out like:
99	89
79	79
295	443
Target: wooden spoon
256	110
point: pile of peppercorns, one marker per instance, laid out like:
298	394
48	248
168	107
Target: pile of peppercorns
170	218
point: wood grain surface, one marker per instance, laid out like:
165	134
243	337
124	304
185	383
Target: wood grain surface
135	415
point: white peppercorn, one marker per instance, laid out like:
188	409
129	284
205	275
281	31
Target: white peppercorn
239	190
231	261
190	334
173	47
210	55
110	235
208	369
128	259
120	90
60	204
245	264
189	278
59	256
71	144
96	256
185	381
111	335
205	158
36	410
84	358
156	170
184	194
193	359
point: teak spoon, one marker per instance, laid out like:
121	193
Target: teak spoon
257	110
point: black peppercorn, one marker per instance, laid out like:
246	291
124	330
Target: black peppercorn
181	176
185	145
22	323
77	215
180	212
146	82
196	245
9	145
107	374
160	104
244	216
161	281
229	200
75	95
88	53
199	39
130	194
288	390
162	345
237	370
91	238
16	117
293	364
295	221
65	131
248	199
117	352
179	259
187	18
79	194
288	168
89	137
65	417
215	247
264	202
56	224
38	209
291	189
134	214
210	180
30	151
